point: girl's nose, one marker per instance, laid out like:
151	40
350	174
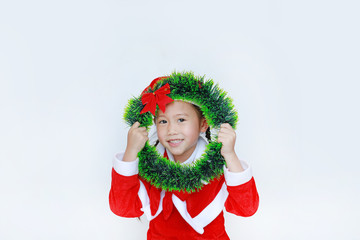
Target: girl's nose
172	129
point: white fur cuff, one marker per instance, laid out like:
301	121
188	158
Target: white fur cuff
238	178
125	168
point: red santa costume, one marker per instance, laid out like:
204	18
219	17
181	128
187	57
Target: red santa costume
179	215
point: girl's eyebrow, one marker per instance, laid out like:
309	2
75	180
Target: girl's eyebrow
177	115
182	114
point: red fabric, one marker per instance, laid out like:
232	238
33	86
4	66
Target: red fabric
152	84
123	197
168	205
168	224
199	200
175	228
243	200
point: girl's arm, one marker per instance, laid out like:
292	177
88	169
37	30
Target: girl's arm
243	199
123	198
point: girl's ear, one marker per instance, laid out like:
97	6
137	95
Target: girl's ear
203	125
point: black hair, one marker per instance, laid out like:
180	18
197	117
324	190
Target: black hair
201	116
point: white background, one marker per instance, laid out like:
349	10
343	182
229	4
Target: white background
67	69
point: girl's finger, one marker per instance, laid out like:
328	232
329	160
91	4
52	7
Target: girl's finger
228	132
135	125
142	129
226	125
220	138
224	129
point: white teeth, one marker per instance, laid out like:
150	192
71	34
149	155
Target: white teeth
175	141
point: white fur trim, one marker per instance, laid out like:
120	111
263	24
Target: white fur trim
161	149
125	168
130	169
145	201
207	215
238	178
203	136
153	137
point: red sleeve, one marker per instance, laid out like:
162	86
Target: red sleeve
243	200
123	197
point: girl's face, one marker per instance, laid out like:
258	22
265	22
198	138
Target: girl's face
178	129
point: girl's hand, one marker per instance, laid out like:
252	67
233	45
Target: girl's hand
227	137
136	139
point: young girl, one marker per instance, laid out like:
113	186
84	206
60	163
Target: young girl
180	128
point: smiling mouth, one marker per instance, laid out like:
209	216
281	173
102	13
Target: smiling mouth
175	142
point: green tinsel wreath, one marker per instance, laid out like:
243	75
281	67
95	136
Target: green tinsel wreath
217	108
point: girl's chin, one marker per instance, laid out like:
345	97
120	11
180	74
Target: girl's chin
176	152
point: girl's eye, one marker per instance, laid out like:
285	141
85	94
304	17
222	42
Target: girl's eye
181	120
162	121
